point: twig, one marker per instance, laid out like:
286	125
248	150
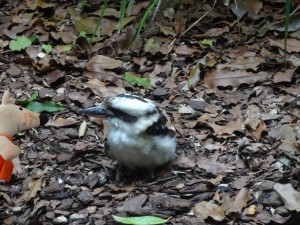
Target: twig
156	9
105	166
196	22
160	180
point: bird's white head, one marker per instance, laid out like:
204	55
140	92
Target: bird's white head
132	112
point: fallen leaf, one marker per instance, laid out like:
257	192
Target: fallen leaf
212	166
289	196
284	76
61	122
230	128
185	50
293	45
53	76
140	220
206	209
243	63
134	79
100	62
194	77
86	25
225	78
19	44
34	187
180	22
252	117
236	204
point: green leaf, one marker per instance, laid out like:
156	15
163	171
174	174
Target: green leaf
34	96
143	20
44	106
34	38
19	44
140	220
133	79
47	48
82	34
67	48
207	42
122	11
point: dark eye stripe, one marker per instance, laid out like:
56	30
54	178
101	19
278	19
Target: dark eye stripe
123	115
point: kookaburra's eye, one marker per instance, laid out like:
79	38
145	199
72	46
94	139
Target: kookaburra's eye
21	108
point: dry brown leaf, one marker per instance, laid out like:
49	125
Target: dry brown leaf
230	128
167	30
34	187
194	77
289	196
43	4
252	117
77	96
265	218
61	122
212	166
14	31
284	76
66	37
104	76
253	6
293	45
207	209
82	129
242	63
236	204
84	44
213	32
86	25
180	22
100	62
185	50
259	130
224	78
53	76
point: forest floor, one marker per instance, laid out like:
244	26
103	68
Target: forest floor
231	99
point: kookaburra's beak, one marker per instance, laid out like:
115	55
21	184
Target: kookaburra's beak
96	111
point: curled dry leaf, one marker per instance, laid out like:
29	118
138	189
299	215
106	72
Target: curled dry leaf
82	129
84	44
61	122
194	77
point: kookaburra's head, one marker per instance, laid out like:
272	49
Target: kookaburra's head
130	113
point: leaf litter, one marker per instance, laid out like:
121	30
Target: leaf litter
222	83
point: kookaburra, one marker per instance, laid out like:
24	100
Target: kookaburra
138	136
